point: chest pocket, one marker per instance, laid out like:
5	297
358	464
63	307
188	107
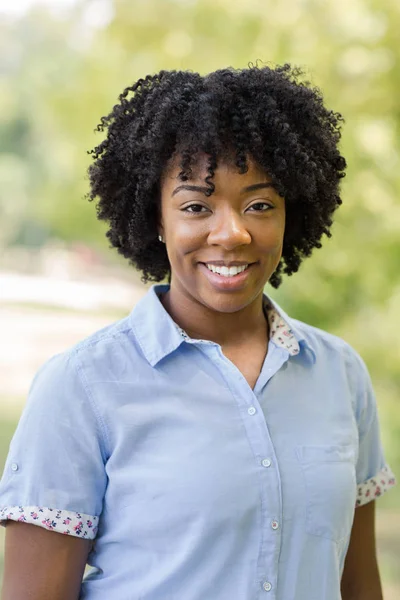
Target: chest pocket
330	482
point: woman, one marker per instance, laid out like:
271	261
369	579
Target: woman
207	446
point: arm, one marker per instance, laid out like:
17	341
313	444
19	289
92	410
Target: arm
42	564
360	580
55	466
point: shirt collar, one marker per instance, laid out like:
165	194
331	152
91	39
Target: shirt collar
155	331
158	335
284	330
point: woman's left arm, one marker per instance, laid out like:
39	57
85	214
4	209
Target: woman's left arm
360	580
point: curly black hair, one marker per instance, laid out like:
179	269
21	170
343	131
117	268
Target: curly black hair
266	114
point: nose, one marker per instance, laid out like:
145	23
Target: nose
228	230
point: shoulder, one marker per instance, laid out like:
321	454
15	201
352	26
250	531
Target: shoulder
118	332
335	352
323	341
337	361
90	357
64	390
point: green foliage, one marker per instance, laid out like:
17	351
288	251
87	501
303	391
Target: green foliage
60	74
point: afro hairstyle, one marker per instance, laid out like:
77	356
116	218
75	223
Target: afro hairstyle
266	114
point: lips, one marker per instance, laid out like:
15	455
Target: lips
227	271
231	263
226	284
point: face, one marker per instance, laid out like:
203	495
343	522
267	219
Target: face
238	229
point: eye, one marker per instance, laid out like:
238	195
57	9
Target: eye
260	207
194	208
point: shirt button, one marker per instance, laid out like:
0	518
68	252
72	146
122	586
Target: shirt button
14	467
274	524
266	462
267	586
251	410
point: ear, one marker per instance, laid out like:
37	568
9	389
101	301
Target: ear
160	230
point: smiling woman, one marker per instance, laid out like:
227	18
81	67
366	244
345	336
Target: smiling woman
241	224
208	446
259	114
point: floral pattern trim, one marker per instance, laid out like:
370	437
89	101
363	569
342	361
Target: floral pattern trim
280	332
375	486
62	521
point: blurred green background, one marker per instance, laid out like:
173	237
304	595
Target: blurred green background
62	66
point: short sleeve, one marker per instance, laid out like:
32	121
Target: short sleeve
374	476
54	476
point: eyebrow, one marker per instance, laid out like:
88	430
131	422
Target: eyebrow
204	190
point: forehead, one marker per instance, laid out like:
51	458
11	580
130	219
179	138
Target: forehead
226	173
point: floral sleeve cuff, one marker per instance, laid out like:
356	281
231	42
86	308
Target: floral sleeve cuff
62	521
375	486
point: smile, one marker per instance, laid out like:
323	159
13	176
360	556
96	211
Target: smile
227	271
227	279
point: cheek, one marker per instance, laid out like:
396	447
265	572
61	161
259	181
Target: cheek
182	243
184	238
273	237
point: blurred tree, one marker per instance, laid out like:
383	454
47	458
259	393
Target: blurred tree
61	72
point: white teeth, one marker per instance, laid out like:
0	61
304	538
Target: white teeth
227	271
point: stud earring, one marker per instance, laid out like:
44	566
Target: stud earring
160	237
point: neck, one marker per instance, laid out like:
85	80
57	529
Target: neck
228	329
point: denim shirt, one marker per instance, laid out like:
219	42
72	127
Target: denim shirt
191	484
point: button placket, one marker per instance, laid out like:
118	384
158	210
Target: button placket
260	440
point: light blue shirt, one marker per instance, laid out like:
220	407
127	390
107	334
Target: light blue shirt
192	485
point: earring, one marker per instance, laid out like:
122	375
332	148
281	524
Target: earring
160	237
